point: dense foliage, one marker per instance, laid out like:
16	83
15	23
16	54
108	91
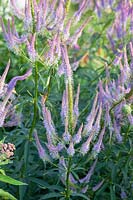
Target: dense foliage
66	95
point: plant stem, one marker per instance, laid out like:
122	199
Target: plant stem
71	122
67	179
35	101
70	107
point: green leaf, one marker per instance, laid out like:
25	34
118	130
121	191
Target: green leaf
7	179
51	195
6	195
43	184
112	193
80	195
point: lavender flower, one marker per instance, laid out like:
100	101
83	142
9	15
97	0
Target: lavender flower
96	126
67	67
74	39
48	123
117	129
86	145
86	179
16	11
97	146
77	137
11	36
7	97
14	80
71	150
91	117
123	194
96	187
3	87
41	151
31	48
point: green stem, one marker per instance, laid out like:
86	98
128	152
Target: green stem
35	102
71	122
70	107
67	179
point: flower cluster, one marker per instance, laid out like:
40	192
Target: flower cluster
123	18
50	19
8	117
76	139
116	97
6	150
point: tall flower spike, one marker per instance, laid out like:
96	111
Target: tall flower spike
81	9
3	112
98	119
14	80
48	123
7	95
11	36
97	146
86	145
97	186
117	129
50	57
86	179
74	39
71	150
16	11
3	77
28	15
31	48
68	70
77	137
41	151
91	117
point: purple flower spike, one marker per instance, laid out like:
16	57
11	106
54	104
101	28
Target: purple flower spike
80	11
74	39
117	130
41	151
77	138
54	151
11	36
91	118
3	112
48	123
72	179
86	179
98	119
14	80
71	150
96	187
28	15
98	145
16	11
68	70
3	77
31	48
6	95
86	145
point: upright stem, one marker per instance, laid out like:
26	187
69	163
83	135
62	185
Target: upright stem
70	107
71	123
67	179
35	101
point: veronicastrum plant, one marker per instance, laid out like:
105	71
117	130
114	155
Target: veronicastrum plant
49	21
